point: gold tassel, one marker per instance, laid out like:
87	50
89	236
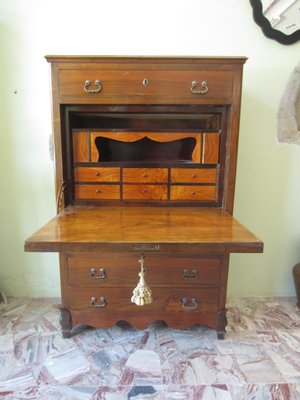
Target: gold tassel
142	294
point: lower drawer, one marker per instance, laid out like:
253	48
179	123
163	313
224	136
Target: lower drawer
193	192
142	175
164	299
145	192
97	192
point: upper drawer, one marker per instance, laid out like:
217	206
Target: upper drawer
125	85
95	174
97	192
137	175
123	271
193	175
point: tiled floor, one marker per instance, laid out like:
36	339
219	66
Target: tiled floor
258	360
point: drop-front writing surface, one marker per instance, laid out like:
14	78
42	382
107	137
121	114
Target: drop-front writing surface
182	229
145	151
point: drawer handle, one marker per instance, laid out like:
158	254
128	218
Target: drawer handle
100	304
100	275
87	85
189	305
193	274
203	84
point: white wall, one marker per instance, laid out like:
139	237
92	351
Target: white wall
268	180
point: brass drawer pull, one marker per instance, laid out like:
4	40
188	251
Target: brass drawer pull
87	85
100	275
192	305
195	84
193	274
100	304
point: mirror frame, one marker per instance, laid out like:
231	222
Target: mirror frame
266	27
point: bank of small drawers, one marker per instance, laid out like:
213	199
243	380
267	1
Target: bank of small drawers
178	284
114	183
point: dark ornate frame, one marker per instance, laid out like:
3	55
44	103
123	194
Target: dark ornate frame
267	29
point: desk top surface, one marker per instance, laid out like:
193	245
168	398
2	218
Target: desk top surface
182	229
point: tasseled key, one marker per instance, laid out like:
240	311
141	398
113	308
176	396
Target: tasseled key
142	294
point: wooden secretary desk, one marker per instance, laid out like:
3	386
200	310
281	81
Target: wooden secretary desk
145	165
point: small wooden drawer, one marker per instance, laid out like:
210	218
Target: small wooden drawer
203	193
118	299
97	192
183	271
193	175
145	192
145	175
103	271
94	174
123	271
126	84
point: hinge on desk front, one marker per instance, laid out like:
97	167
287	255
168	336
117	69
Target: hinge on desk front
146	247
60	193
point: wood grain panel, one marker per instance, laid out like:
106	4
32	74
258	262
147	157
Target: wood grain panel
97	192
193	175
97	174
154	175
80	146
193	192
210	151
145	192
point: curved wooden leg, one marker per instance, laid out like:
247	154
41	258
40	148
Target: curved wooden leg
221	323
65	322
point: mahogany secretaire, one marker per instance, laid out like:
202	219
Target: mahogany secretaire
145	163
